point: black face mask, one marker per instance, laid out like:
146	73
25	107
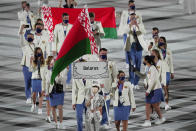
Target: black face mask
144	63
132	7
122	78
39	54
152	57
30	39
103	57
66	21
38	30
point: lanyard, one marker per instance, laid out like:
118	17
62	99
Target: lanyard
120	87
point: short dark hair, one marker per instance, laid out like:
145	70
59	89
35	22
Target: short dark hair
133	14
155	28
39	19
38	24
30	33
23	2
131	1
65	14
150	60
28	5
119	72
164	39
96	87
103	49
91	14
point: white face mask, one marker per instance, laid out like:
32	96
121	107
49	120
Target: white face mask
131	11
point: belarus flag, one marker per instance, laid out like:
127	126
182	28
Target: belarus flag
53	16
79	41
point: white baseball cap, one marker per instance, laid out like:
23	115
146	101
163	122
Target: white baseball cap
96	83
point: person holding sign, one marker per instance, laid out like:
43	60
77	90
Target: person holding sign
106	85
78	98
123	101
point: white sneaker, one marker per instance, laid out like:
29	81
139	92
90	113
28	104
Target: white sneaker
105	126
127	66
48	119
56	125
162	105
167	107
40	111
154	116
147	123
160	121
61	126
33	107
137	87
28	101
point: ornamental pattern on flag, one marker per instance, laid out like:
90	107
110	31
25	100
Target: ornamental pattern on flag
85	21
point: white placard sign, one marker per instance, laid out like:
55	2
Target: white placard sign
90	70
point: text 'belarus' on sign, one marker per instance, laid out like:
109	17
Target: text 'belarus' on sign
90	70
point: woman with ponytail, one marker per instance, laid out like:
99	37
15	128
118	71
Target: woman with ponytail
168	69
154	93
48	87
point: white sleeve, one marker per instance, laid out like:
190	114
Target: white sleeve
43	76
151	80
114	72
159	69
47	44
21	16
171	62
131	97
101	31
22	40
143	42
141	25
54	43
123	27
74	92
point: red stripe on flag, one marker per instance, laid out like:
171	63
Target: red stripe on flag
105	15
71	40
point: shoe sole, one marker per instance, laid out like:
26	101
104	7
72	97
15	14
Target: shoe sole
147	126
160	123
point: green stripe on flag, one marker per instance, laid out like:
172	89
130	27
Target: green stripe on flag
80	49
110	33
